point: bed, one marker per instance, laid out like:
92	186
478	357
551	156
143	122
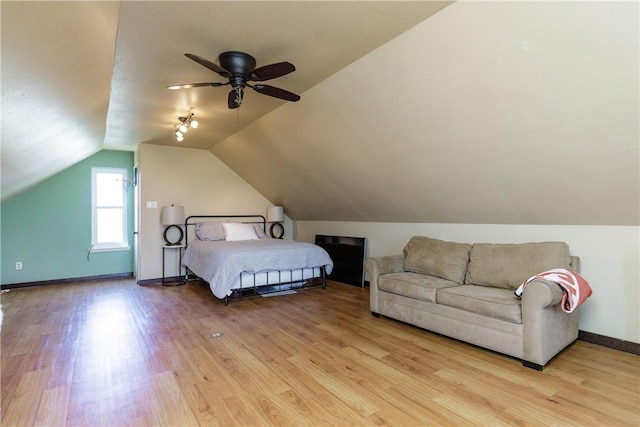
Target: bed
236	258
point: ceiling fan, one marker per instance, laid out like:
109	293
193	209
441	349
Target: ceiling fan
239	69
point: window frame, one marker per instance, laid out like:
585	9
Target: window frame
123	245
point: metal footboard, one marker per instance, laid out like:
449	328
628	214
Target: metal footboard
255	290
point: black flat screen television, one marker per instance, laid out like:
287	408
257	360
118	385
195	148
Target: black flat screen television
347	254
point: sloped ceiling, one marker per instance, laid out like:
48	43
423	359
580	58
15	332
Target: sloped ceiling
471	112
57	63
81	76
488	112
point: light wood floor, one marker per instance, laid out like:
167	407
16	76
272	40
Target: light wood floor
115	353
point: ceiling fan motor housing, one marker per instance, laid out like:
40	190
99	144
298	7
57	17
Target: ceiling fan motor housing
237	63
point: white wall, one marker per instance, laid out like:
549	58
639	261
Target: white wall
489	112
609	259
195	179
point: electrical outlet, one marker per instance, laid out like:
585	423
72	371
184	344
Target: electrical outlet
19	265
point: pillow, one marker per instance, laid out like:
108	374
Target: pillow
507	265
209	231
259	231
447	260
235	231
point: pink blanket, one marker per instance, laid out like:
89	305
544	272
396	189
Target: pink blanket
576	289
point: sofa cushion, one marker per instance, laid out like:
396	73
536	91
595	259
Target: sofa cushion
413	285
447	260
508	265
492	302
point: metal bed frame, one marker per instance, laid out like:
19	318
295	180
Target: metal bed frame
255	290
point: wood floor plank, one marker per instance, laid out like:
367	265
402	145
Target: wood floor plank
22	408
206	412
334	386
243	413
320	404
473	411
387	375
115	353
169	403
421	407
52	410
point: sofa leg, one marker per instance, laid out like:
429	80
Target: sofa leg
532	365
374	314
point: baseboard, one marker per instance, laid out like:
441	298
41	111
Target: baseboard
614	343
160	281
116	276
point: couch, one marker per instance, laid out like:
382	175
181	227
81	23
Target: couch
466	291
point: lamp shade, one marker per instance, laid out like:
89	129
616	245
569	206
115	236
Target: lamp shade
172	215
275	214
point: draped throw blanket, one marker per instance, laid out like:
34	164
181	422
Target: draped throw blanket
575	287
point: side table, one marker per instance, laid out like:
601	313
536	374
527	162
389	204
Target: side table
172	281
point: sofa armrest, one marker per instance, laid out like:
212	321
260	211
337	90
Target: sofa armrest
575	263
544	294
377	266
546	328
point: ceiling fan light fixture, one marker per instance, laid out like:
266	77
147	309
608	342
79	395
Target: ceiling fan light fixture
183	126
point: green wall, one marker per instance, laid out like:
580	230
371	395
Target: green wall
48	227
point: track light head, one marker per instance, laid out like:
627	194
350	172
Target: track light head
184	125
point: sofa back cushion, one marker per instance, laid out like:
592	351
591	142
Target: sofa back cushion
508	265
447	260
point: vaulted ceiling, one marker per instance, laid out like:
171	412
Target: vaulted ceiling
467	112
82	76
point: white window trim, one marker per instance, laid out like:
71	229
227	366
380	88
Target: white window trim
112	246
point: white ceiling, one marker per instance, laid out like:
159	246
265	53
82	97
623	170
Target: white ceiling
57	63
78	77
521	112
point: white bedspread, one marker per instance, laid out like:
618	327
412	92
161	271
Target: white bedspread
220	262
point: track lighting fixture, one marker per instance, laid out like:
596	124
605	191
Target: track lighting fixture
184	125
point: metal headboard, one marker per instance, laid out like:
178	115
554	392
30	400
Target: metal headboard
257	219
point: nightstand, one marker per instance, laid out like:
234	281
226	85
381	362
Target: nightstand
171	281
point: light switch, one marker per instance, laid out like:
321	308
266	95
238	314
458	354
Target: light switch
152	204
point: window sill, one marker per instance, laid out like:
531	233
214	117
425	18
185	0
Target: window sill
110	248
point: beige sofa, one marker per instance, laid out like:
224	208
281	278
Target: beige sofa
466	291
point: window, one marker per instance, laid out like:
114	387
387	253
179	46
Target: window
109	209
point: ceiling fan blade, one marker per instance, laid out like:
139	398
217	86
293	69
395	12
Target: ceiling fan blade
276	92
232	100
271	71
190	85
210	65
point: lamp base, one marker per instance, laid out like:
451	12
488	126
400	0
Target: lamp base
276	230
169	242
